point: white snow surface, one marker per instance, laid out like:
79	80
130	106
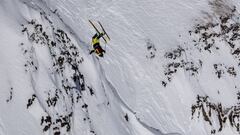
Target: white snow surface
125	82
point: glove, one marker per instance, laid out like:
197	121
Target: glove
91	51
101	34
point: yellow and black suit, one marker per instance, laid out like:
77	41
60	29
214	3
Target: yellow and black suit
96	45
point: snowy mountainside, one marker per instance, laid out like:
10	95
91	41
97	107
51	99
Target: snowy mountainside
50	91
171	67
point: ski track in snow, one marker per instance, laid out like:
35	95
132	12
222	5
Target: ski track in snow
118	97
1	128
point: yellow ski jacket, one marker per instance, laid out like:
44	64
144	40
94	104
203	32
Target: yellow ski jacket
95	41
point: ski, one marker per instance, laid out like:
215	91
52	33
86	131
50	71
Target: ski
104	30
97	30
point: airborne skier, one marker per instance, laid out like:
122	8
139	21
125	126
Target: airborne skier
96	40
96	45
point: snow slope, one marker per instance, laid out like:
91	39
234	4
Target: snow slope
171	67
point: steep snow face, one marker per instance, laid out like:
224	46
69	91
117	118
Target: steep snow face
163	54
50	83
171	67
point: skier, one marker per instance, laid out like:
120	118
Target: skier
96	45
